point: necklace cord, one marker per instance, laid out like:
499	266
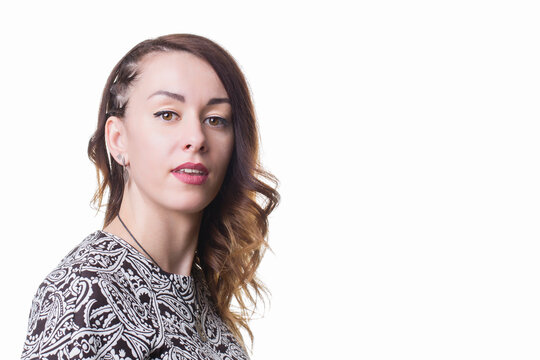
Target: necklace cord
198	323
143	249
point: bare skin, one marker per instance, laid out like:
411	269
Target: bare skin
162	212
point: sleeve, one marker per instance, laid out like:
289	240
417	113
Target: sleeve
80	317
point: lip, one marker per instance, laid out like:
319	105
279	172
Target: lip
190	165
192	179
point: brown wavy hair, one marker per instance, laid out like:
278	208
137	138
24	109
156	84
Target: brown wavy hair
234	227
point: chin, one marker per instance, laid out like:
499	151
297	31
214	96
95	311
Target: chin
189	207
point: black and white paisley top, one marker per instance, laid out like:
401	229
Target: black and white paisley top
105	300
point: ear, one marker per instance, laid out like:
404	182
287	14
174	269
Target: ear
116	139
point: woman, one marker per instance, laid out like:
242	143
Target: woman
183	233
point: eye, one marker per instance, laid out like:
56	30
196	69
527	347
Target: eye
216	121
166	115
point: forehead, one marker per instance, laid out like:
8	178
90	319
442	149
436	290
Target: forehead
178	71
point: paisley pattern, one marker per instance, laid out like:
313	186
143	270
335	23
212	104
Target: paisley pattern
105	300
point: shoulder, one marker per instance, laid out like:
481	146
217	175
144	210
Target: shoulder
85	305
97	252
94	260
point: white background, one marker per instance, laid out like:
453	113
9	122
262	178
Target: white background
405	135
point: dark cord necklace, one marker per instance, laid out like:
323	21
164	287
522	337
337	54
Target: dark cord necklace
198	323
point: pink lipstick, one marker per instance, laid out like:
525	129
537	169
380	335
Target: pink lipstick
190	173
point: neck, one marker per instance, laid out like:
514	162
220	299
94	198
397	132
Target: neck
170	237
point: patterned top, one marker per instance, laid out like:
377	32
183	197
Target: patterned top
105	300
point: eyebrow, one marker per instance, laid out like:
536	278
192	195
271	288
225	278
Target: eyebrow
181	98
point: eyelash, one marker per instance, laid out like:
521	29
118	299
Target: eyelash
224	122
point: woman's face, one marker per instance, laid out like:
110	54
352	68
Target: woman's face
178	112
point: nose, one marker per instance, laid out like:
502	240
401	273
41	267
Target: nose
192	134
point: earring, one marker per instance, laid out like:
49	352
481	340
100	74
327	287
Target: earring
125	173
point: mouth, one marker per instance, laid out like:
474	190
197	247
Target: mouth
190	173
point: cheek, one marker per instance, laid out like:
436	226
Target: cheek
150	156
225	145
